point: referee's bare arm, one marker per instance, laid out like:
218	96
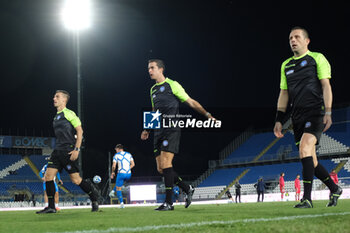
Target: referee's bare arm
75	153
327	99
281	106
199	108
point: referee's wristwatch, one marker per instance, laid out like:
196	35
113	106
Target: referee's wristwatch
77	149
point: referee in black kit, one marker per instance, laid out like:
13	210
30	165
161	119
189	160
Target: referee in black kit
66	124
306	87
166	96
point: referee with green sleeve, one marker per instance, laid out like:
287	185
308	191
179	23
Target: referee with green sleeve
166	96
66	125
306	87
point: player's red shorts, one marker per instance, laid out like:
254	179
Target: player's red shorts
282	189
297	190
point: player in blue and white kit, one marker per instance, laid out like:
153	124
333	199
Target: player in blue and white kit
176	191
125	163
42	176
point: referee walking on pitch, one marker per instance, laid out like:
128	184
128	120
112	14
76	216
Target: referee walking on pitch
166	96
66	124
306	87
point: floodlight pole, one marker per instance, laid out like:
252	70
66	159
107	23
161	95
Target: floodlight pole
79	93
76	16
79	78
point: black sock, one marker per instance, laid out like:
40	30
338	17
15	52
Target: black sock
178	181
322	174
50	191
86	187
308	176
169	183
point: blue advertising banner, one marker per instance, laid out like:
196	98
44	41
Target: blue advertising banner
5	141
31	142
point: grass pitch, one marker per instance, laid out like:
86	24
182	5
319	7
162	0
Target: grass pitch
245	217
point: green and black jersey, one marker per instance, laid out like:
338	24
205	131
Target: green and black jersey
166	97
301	77
64	125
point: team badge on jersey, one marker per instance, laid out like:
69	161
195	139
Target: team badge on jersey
303	63
162	88
165	143
69	167
58	117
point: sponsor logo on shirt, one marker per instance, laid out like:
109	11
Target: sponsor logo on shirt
289	72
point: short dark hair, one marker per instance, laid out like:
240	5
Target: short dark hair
160	63
282	173
306	34
66	93
119	146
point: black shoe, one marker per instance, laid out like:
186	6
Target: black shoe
47	210
94	205
95	191
164	207
333	199
304	204
188	198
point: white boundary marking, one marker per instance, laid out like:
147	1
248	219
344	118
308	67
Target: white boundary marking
115	206
206	223
245	198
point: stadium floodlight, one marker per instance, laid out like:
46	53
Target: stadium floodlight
76	14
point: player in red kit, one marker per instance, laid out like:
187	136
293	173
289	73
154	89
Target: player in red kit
334	176
282	185
297	188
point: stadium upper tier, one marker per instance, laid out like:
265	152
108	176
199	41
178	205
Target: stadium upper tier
226	176
265	147
251	148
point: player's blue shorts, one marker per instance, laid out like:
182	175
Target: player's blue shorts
56	187
121	178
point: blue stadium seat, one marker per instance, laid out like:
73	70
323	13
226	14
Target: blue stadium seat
222	177
7	160
251	148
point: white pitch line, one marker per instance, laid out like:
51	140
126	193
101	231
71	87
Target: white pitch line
206	223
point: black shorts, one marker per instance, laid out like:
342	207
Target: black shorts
313	125
60	159
166	140
229	195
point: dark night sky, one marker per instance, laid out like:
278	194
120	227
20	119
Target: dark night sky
226	55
